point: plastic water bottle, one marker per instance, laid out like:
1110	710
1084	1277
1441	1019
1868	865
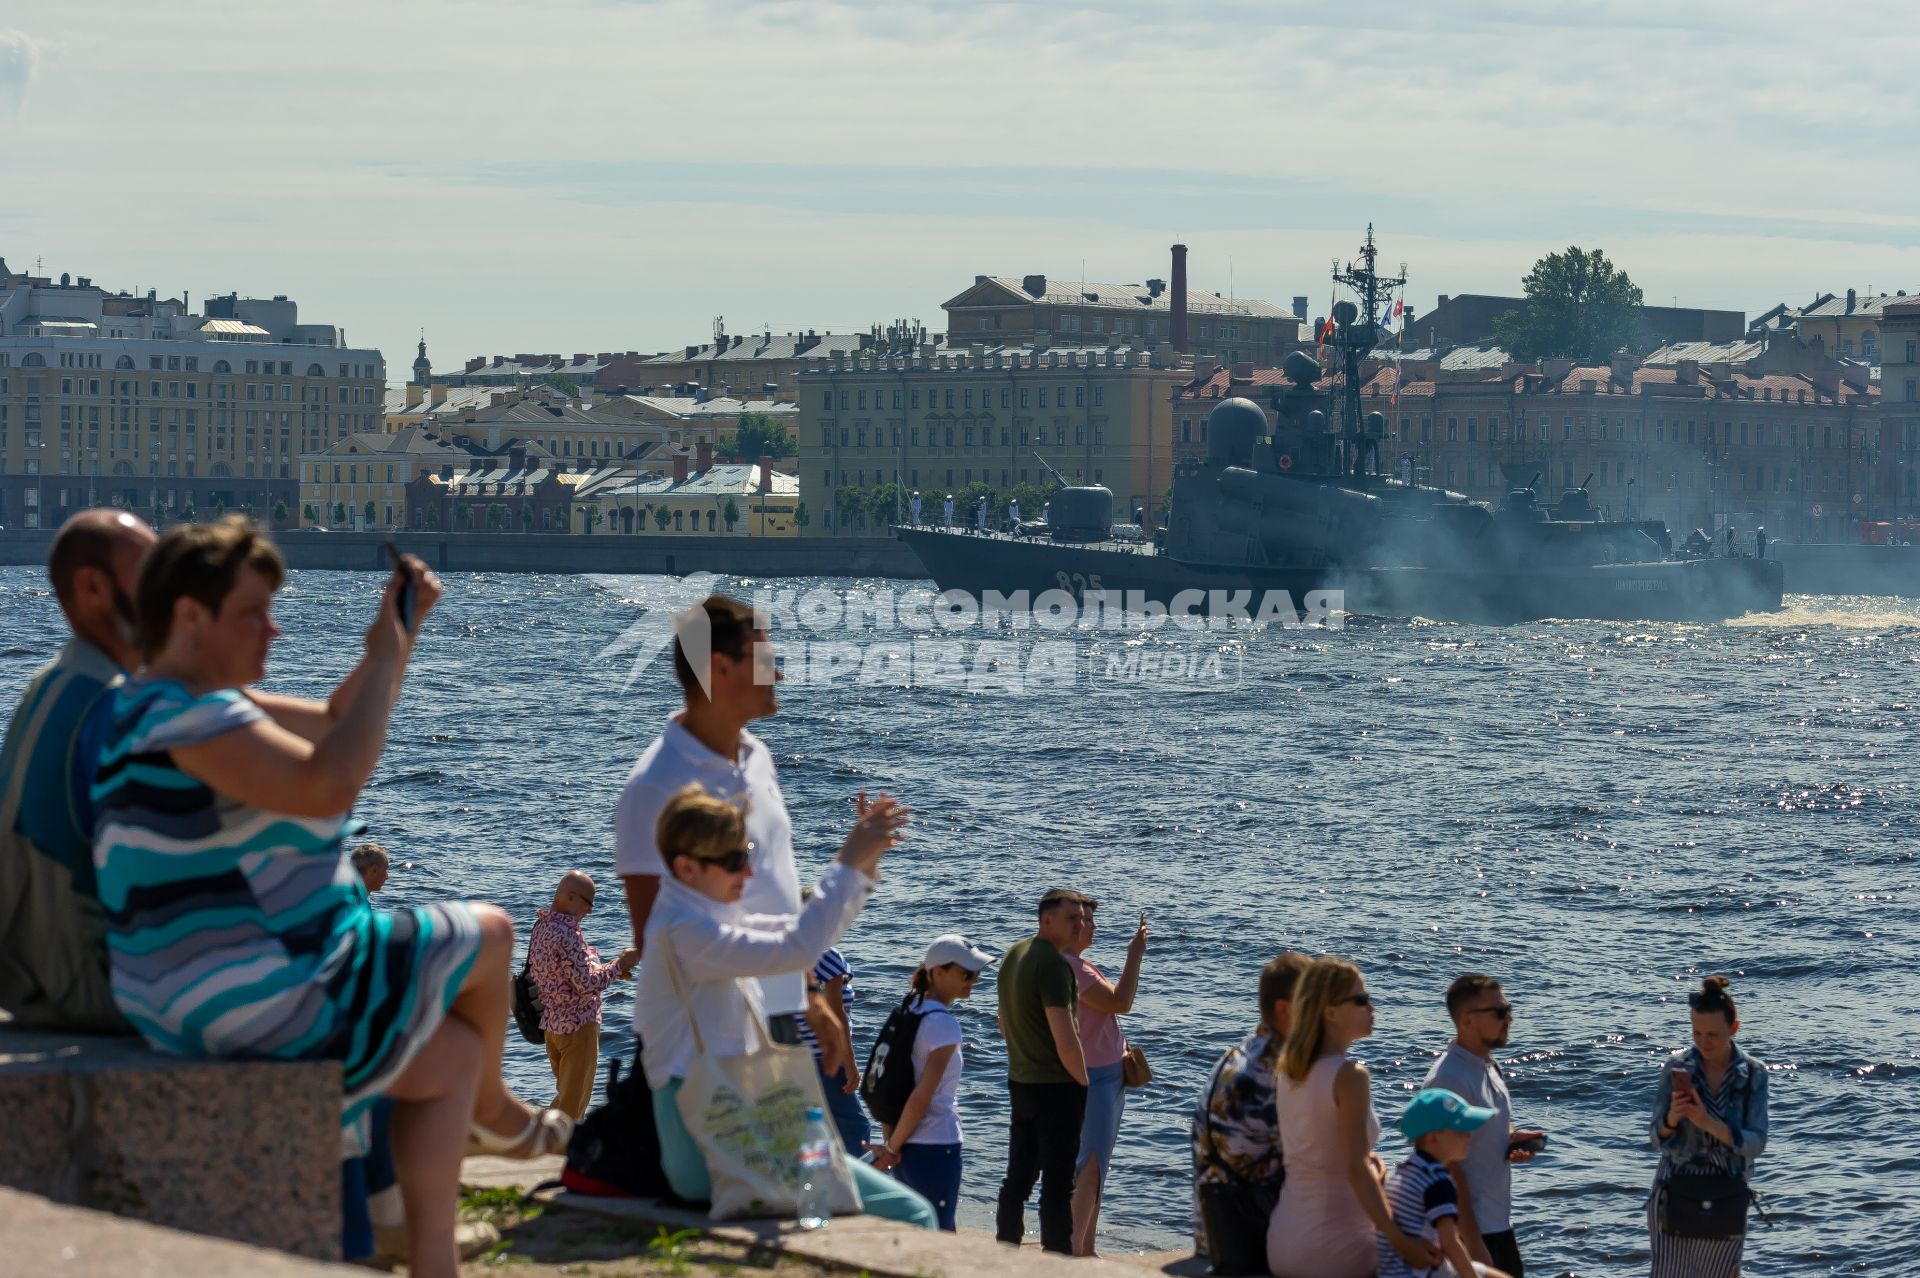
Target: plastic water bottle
816	1171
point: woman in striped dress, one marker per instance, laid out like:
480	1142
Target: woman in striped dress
1713	1122
237	926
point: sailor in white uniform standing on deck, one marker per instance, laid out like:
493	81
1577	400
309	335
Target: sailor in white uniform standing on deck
949	512
914	505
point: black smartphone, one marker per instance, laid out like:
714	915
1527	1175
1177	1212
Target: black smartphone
1533	1144
405	602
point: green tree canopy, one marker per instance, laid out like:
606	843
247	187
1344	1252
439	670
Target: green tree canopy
801	516
562	383
969	497
757	435
370	512
849	502
279	512
1578	305
662	517
1033	496
731	513
886	504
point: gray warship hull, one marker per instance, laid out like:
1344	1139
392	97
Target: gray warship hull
1685	590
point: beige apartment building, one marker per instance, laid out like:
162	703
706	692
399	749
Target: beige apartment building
998	416
111	398
1005	310
360	482
1847	326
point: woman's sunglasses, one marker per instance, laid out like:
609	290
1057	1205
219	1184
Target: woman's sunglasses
1359	1000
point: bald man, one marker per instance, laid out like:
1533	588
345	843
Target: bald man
53	957
571	976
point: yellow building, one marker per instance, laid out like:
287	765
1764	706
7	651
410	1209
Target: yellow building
361	481
1001	417
760	499
1847	326
417	405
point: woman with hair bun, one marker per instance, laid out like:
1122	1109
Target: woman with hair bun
1709	1124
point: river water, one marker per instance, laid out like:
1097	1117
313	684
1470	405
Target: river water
1597	813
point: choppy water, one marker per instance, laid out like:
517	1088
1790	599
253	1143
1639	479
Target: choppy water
1594	812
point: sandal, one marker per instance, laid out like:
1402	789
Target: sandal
547	1132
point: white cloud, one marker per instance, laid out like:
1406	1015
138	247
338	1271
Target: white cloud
19	59
608	174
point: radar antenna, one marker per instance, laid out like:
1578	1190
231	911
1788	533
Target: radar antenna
1356	332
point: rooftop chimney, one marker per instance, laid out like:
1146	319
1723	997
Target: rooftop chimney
1156	287
1177	320
1300	308
766	473
679	466
1852	298
703	456
1035	284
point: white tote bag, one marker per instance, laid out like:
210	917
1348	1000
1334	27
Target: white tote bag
746	1114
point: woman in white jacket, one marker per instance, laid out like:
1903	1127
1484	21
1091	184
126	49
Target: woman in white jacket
718	949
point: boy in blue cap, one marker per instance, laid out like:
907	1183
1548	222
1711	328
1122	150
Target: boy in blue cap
1420	1191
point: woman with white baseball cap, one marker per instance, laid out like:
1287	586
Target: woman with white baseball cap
922	1149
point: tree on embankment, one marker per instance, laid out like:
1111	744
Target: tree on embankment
1579	305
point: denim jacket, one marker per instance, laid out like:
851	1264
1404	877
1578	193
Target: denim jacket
1746	1116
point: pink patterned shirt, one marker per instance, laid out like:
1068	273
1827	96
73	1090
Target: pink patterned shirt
568	971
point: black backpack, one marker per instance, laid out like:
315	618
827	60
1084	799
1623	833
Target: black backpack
615	1150
527	1005
888	1081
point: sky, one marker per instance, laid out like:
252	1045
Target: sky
587	175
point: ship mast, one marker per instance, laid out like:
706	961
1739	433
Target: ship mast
1355	332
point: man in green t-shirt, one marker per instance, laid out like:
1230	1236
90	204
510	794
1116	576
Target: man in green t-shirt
1046	1074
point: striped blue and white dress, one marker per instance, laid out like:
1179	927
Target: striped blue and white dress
233	931
1674	1257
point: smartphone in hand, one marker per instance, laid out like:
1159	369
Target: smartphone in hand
1533	1144
405	602
1682	1082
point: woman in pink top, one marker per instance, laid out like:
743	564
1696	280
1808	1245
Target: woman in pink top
1332	1199
1101	1002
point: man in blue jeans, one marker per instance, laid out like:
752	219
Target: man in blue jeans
1046	1075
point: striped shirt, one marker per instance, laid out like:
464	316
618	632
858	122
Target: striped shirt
1420	1194
832	965
53	949
236	931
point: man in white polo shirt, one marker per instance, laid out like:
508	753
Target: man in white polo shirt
708	742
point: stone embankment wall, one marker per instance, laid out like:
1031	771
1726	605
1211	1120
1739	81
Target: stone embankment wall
562	553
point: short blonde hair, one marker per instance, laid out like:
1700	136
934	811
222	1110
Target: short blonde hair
700	825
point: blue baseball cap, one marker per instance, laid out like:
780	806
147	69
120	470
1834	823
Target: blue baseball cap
1438	1110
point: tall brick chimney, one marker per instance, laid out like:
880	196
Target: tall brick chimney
679	467
766	473
1177	304
703	456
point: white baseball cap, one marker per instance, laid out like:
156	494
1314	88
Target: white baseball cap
954	948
